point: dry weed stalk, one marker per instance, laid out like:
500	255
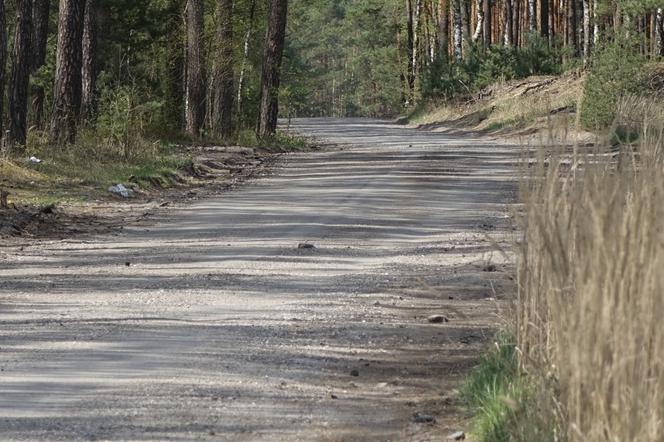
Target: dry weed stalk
590	301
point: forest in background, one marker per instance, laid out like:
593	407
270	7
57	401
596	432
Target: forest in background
164	69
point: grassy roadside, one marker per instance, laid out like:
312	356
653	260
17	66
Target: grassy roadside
586	361
84	171
518	108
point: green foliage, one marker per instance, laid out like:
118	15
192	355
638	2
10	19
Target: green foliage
125	118
616	72
481	67
342	59
508	405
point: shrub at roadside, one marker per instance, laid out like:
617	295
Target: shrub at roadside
616	72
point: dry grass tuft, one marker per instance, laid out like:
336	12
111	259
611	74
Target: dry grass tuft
590	301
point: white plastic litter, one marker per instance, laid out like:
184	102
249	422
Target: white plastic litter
120	190
34	160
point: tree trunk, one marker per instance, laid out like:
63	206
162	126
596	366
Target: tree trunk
194	70
586	31
89	68
40	19
595	24
465	27
487	22
544	19
222	113
245	56
480	20
20	77
410	47
507	32
443	28
3	62
274	49
659	32
67	87
458	30
532	16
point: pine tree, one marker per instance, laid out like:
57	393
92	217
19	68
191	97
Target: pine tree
270	77
67	87
20	77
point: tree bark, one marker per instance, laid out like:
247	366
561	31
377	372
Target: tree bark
595	24
507	32
544	19
487	22
89	68
659	32
222	113
458	30
532	16
194	70
3	62
480	20
410	47
67	87
40	19
245	56
586	31
271	72
20	77
443	28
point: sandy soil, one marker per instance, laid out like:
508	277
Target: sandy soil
209	322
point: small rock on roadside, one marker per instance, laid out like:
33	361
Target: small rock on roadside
438	319
354	373
421	418
459	435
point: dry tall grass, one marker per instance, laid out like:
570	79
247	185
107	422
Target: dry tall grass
590	307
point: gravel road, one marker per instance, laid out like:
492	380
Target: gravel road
210	322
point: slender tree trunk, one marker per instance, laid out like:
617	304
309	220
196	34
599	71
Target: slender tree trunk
20	77
443	27
222	114
586	31
270	77
40	18
245	56
194	67
480	20
507	32
544	18
595	24
486	5
410	47
465	27
416	39
659	32
458	30
3	62
572	26
89	68
532	16
67	87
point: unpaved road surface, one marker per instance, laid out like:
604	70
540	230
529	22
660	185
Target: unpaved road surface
210	323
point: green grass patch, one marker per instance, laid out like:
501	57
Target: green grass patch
508	405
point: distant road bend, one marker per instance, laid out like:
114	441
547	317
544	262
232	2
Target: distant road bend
222	328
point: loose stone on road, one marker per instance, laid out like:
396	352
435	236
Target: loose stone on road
298	307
